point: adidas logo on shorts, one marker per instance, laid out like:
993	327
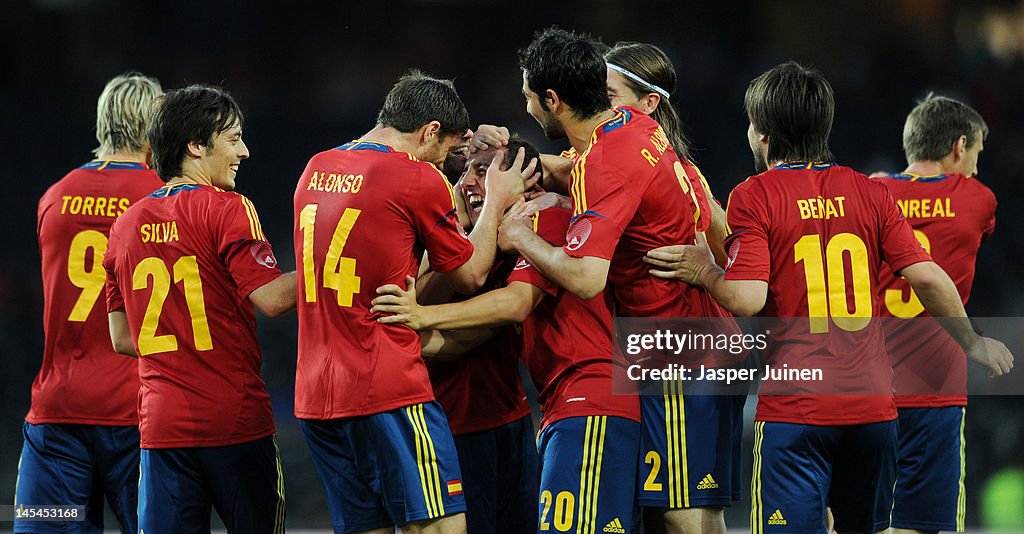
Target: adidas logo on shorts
776	518
707	483
615	527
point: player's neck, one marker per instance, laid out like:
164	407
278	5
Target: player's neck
402	142
926	168
137	157
581	132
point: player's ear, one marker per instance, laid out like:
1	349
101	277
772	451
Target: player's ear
959	147
650	102
552	100
429	132
194	149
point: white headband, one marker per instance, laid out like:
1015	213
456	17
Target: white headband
639	80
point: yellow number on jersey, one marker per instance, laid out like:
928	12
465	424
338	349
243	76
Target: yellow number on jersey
684	182
339	272
186	270
912	307
827	298
90	280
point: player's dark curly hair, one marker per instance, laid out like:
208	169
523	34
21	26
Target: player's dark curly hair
515	142
572	66
416	99
195	114
793	106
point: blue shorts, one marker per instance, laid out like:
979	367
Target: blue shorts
385	469
930	472
79	465
588	474
499	478
242	482
800	470
690	451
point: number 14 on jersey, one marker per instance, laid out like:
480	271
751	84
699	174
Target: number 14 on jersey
339	273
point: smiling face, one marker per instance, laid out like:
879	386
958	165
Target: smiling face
540	113
221	159
472	186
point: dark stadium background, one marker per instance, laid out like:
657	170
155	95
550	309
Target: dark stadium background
311	75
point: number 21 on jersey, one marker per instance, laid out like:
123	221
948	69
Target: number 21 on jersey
339	273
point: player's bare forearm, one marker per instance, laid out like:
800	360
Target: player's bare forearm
510	304
744	298
277	297
120	334
939	296
584	277
507	305
557	173
449	345
716	234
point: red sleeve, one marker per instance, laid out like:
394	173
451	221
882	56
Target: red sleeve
432	213
115	301
602	207
550	225
747	244
243	247
896	239
989	225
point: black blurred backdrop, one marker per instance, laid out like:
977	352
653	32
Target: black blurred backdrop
311	75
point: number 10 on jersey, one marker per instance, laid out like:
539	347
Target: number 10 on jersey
339	273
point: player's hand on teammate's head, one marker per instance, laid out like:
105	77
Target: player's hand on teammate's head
541	201
993	354
514	224
489	136
686	263
505	187
401	303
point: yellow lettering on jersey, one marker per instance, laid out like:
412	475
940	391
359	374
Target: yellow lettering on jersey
660	141
335	183
649	157
161	232
821	208
926	208
94	206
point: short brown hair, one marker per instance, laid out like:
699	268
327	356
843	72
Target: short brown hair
793	106
935	124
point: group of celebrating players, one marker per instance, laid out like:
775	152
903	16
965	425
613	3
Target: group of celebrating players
417	300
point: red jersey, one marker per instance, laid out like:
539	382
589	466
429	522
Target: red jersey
481	390
363	216
82	380
818	233
567	342
632	194
951	215
182	263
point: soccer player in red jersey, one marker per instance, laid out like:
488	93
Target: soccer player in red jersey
81	433
364	214
808	240
951	213
631	192
589	437
482	395
185	266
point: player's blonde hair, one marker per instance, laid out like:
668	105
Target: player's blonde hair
123	112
